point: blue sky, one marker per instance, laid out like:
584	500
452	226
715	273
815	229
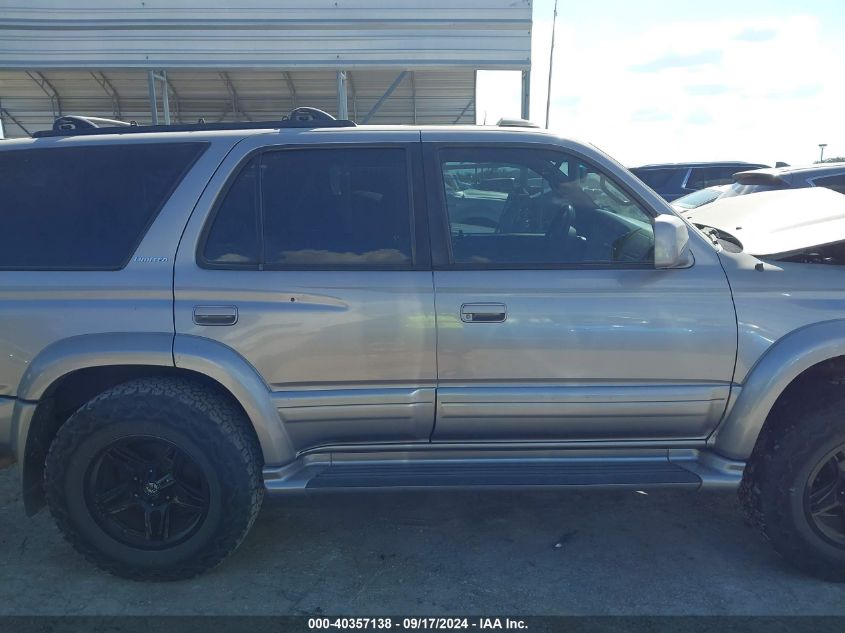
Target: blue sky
654	80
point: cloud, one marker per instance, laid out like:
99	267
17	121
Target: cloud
799	92
672	59
706	90
650	115
699	117
566	101
763	101
756	35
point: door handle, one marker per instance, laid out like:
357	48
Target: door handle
484	312
215	315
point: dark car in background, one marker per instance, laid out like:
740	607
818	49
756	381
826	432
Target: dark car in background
673	180
828	175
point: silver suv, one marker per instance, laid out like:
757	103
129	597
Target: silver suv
194	316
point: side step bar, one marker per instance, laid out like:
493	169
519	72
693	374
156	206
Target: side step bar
683	469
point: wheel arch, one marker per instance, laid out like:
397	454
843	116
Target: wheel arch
70	372
814	348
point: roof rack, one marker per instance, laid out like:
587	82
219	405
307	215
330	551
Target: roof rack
72	125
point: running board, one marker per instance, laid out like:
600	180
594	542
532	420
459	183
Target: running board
684	470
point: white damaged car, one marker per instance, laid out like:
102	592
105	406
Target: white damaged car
798	225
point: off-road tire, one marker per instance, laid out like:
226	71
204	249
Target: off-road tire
195	418
775	480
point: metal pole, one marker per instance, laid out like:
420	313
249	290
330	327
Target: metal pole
342	102
551	65
821	154
165	97
526	94
151	80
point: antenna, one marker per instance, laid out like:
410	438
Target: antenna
551	63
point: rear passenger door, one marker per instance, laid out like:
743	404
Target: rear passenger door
310	258
552	321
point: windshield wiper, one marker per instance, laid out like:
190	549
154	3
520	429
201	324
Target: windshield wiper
712	233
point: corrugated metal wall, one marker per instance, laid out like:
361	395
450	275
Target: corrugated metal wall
342	34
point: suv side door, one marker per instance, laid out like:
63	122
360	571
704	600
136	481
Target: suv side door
308	255
552	321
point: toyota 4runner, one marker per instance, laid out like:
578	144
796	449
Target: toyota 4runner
192	317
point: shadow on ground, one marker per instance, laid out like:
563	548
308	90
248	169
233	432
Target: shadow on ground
439	553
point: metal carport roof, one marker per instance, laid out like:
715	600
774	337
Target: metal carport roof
395	62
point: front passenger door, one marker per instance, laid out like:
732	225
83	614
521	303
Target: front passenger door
552	321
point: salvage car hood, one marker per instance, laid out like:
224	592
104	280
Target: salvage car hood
777	222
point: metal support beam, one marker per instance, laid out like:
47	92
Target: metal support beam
526	94
151	86
414	96
385	96
236	101
464	111
165	97
49	90
354	94
9	116
109	89
175	101
342	102
291	87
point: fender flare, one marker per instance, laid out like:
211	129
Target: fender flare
204	356
784	361
225	366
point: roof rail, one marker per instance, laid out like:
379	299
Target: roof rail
303	117
73	122
516	123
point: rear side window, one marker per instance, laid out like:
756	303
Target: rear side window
702	177
656	178
84	208
315	208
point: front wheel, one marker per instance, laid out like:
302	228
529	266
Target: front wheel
155	479
798	486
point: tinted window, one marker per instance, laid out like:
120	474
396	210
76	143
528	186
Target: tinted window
233	237
656	178
527	207
336	208
837	183
702	177
84	207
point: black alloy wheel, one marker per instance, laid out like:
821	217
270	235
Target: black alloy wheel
146	492
824	498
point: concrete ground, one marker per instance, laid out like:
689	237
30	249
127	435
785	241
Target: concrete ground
613	553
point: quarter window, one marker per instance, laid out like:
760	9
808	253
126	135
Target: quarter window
703	177
84	208
527	207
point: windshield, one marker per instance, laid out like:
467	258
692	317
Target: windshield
697	198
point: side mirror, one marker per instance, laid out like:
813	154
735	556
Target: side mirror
671	242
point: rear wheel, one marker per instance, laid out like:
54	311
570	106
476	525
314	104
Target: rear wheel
155	479
795	488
